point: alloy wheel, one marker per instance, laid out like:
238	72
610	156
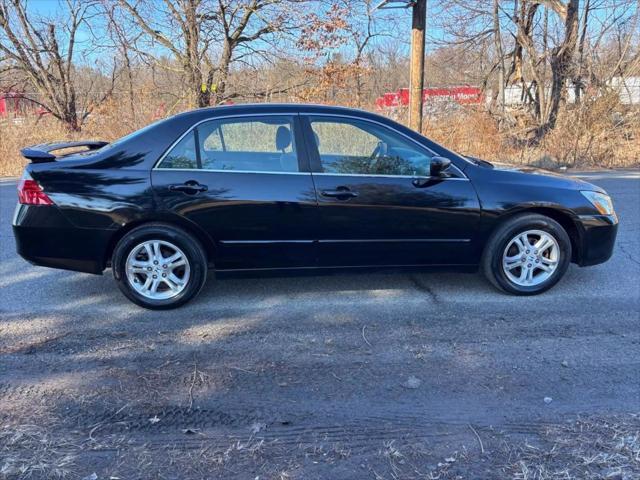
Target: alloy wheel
157	269
531	258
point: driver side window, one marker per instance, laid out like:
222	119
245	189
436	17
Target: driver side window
354	147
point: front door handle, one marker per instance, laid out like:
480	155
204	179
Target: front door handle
341	193
190	188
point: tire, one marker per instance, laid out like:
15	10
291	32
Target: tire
507	260
178	273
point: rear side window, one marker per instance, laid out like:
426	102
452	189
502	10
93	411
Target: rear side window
243	144
183	155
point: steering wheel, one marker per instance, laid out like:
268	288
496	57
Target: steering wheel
379	152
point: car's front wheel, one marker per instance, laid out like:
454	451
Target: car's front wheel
527	255
159	266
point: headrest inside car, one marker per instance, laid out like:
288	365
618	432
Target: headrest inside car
283	137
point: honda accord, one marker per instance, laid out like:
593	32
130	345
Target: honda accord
294	188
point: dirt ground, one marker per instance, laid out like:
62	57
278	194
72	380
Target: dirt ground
380	376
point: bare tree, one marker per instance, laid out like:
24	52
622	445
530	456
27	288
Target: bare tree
183	29
497	40
363	26
42	51
121	41
577	81
250	28
207	37
562	59
337	44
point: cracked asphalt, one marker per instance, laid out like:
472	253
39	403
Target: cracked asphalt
385	375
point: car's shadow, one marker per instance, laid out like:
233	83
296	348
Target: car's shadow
36	289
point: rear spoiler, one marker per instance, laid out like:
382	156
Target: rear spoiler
42	153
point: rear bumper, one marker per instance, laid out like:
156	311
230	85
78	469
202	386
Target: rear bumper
598	238
45	237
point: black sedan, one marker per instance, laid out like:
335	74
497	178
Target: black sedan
297	188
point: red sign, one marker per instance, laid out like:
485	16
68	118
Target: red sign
462	95
16	104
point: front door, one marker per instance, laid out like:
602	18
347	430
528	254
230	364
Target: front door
245	182
378	204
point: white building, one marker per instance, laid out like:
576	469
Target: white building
627	88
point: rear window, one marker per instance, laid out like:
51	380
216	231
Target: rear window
132	135
242	144
183	155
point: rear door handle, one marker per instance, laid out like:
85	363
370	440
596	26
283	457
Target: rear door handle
191	187
341	193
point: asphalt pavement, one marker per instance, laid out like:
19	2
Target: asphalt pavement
385	375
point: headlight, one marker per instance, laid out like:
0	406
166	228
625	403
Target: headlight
601	201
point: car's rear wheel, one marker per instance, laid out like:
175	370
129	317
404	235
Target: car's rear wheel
159	266
527	255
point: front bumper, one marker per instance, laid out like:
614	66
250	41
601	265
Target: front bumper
45	237
598	238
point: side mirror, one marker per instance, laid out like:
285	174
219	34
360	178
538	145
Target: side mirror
439	165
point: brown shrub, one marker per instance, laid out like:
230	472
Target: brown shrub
597	133
468	131
112	120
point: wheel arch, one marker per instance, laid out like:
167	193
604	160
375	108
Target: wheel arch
564	218
170	219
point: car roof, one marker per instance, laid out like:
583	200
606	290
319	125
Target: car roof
247	108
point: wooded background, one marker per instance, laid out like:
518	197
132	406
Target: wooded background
103	68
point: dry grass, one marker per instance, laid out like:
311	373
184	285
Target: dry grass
598	133
31	451
594	448
32	131
586	449
111	121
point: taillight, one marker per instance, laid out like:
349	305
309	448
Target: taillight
30	193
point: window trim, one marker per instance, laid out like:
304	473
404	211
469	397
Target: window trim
311	144
196	139
212	170
301	151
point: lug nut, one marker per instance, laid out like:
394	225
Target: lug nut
529	265
155	262
149	268
164	266
164	274
155	276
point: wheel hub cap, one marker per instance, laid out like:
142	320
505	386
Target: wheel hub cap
531	257
157	269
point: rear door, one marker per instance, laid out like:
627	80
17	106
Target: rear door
245	181
378	204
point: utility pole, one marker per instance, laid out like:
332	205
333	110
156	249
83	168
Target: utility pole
416	72
416	67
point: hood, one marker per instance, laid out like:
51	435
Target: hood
541	177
